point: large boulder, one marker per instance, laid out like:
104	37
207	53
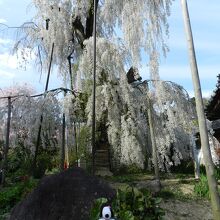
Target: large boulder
67	195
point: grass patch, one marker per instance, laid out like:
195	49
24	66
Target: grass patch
123	179
201	188
129	178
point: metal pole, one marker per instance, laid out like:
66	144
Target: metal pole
213	186
94	90
6	148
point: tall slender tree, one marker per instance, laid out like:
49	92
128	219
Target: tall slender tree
213	186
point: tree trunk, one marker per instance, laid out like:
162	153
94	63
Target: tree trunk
63	143
6	148
213	187
152	136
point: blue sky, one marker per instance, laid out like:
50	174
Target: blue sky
205	21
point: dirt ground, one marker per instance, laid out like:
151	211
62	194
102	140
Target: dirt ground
182	203
188	206
184	210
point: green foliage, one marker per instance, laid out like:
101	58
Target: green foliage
185	167
132	204
47	159
217	173
130	169
95	211
202	169
19	160
83	140
201	188
11	195
52	171
128	178
123	179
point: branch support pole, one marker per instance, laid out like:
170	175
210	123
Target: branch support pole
41	117
63	140
94	91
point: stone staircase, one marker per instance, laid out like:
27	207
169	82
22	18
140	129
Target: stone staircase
102	162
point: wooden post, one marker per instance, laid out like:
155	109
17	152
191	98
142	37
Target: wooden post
94	90
63	142
213	186
76	141
66	147
70	71
6	148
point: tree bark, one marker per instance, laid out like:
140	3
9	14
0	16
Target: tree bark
213	187
152	136
6	148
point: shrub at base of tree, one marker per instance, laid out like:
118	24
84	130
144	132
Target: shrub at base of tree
131	204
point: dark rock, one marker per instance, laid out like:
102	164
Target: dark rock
67	195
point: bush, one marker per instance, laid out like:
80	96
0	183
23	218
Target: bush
202	169
201	188
10	196
186	167
217	173
19	160
129	169
46	161
131	204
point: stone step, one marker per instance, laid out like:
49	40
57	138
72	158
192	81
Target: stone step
101	154
104	164
102	151
102	159
103	171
